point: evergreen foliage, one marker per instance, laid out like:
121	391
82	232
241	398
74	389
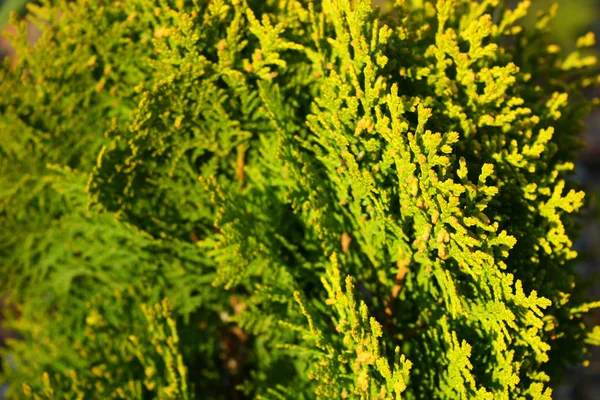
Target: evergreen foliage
287	199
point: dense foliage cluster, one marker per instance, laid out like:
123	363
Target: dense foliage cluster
287	199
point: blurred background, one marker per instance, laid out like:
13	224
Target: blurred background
575	18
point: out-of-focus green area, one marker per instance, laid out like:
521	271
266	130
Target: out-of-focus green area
575	18
8	6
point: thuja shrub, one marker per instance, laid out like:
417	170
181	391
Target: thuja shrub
286	199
